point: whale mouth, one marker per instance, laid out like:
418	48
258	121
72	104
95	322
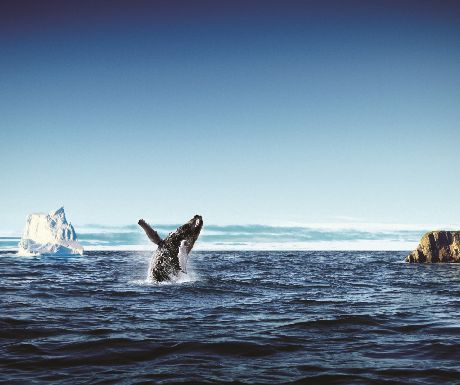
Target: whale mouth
184	238
198	221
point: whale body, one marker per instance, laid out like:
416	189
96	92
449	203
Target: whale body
171	255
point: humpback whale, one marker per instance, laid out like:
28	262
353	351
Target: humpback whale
170	258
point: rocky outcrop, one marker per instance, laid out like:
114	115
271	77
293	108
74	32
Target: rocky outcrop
437	246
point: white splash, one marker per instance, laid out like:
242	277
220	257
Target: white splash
190	276
46	234
185	276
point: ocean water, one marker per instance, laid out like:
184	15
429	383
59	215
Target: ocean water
248	317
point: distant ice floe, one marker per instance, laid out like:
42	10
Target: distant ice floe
290	236
344	236
49	234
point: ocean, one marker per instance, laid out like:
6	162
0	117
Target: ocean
238	317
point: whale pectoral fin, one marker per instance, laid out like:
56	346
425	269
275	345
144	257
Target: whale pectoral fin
151	233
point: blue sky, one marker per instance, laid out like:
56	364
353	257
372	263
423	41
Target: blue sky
273	112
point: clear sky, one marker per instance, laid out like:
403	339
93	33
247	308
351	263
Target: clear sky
244	112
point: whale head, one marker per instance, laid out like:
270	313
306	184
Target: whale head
191	231
186	235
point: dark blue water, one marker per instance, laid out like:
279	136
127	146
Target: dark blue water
247	317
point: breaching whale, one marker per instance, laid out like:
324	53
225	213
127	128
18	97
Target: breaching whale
171	255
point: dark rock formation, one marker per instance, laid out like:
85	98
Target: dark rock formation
437	246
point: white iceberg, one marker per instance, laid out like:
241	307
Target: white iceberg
49	234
